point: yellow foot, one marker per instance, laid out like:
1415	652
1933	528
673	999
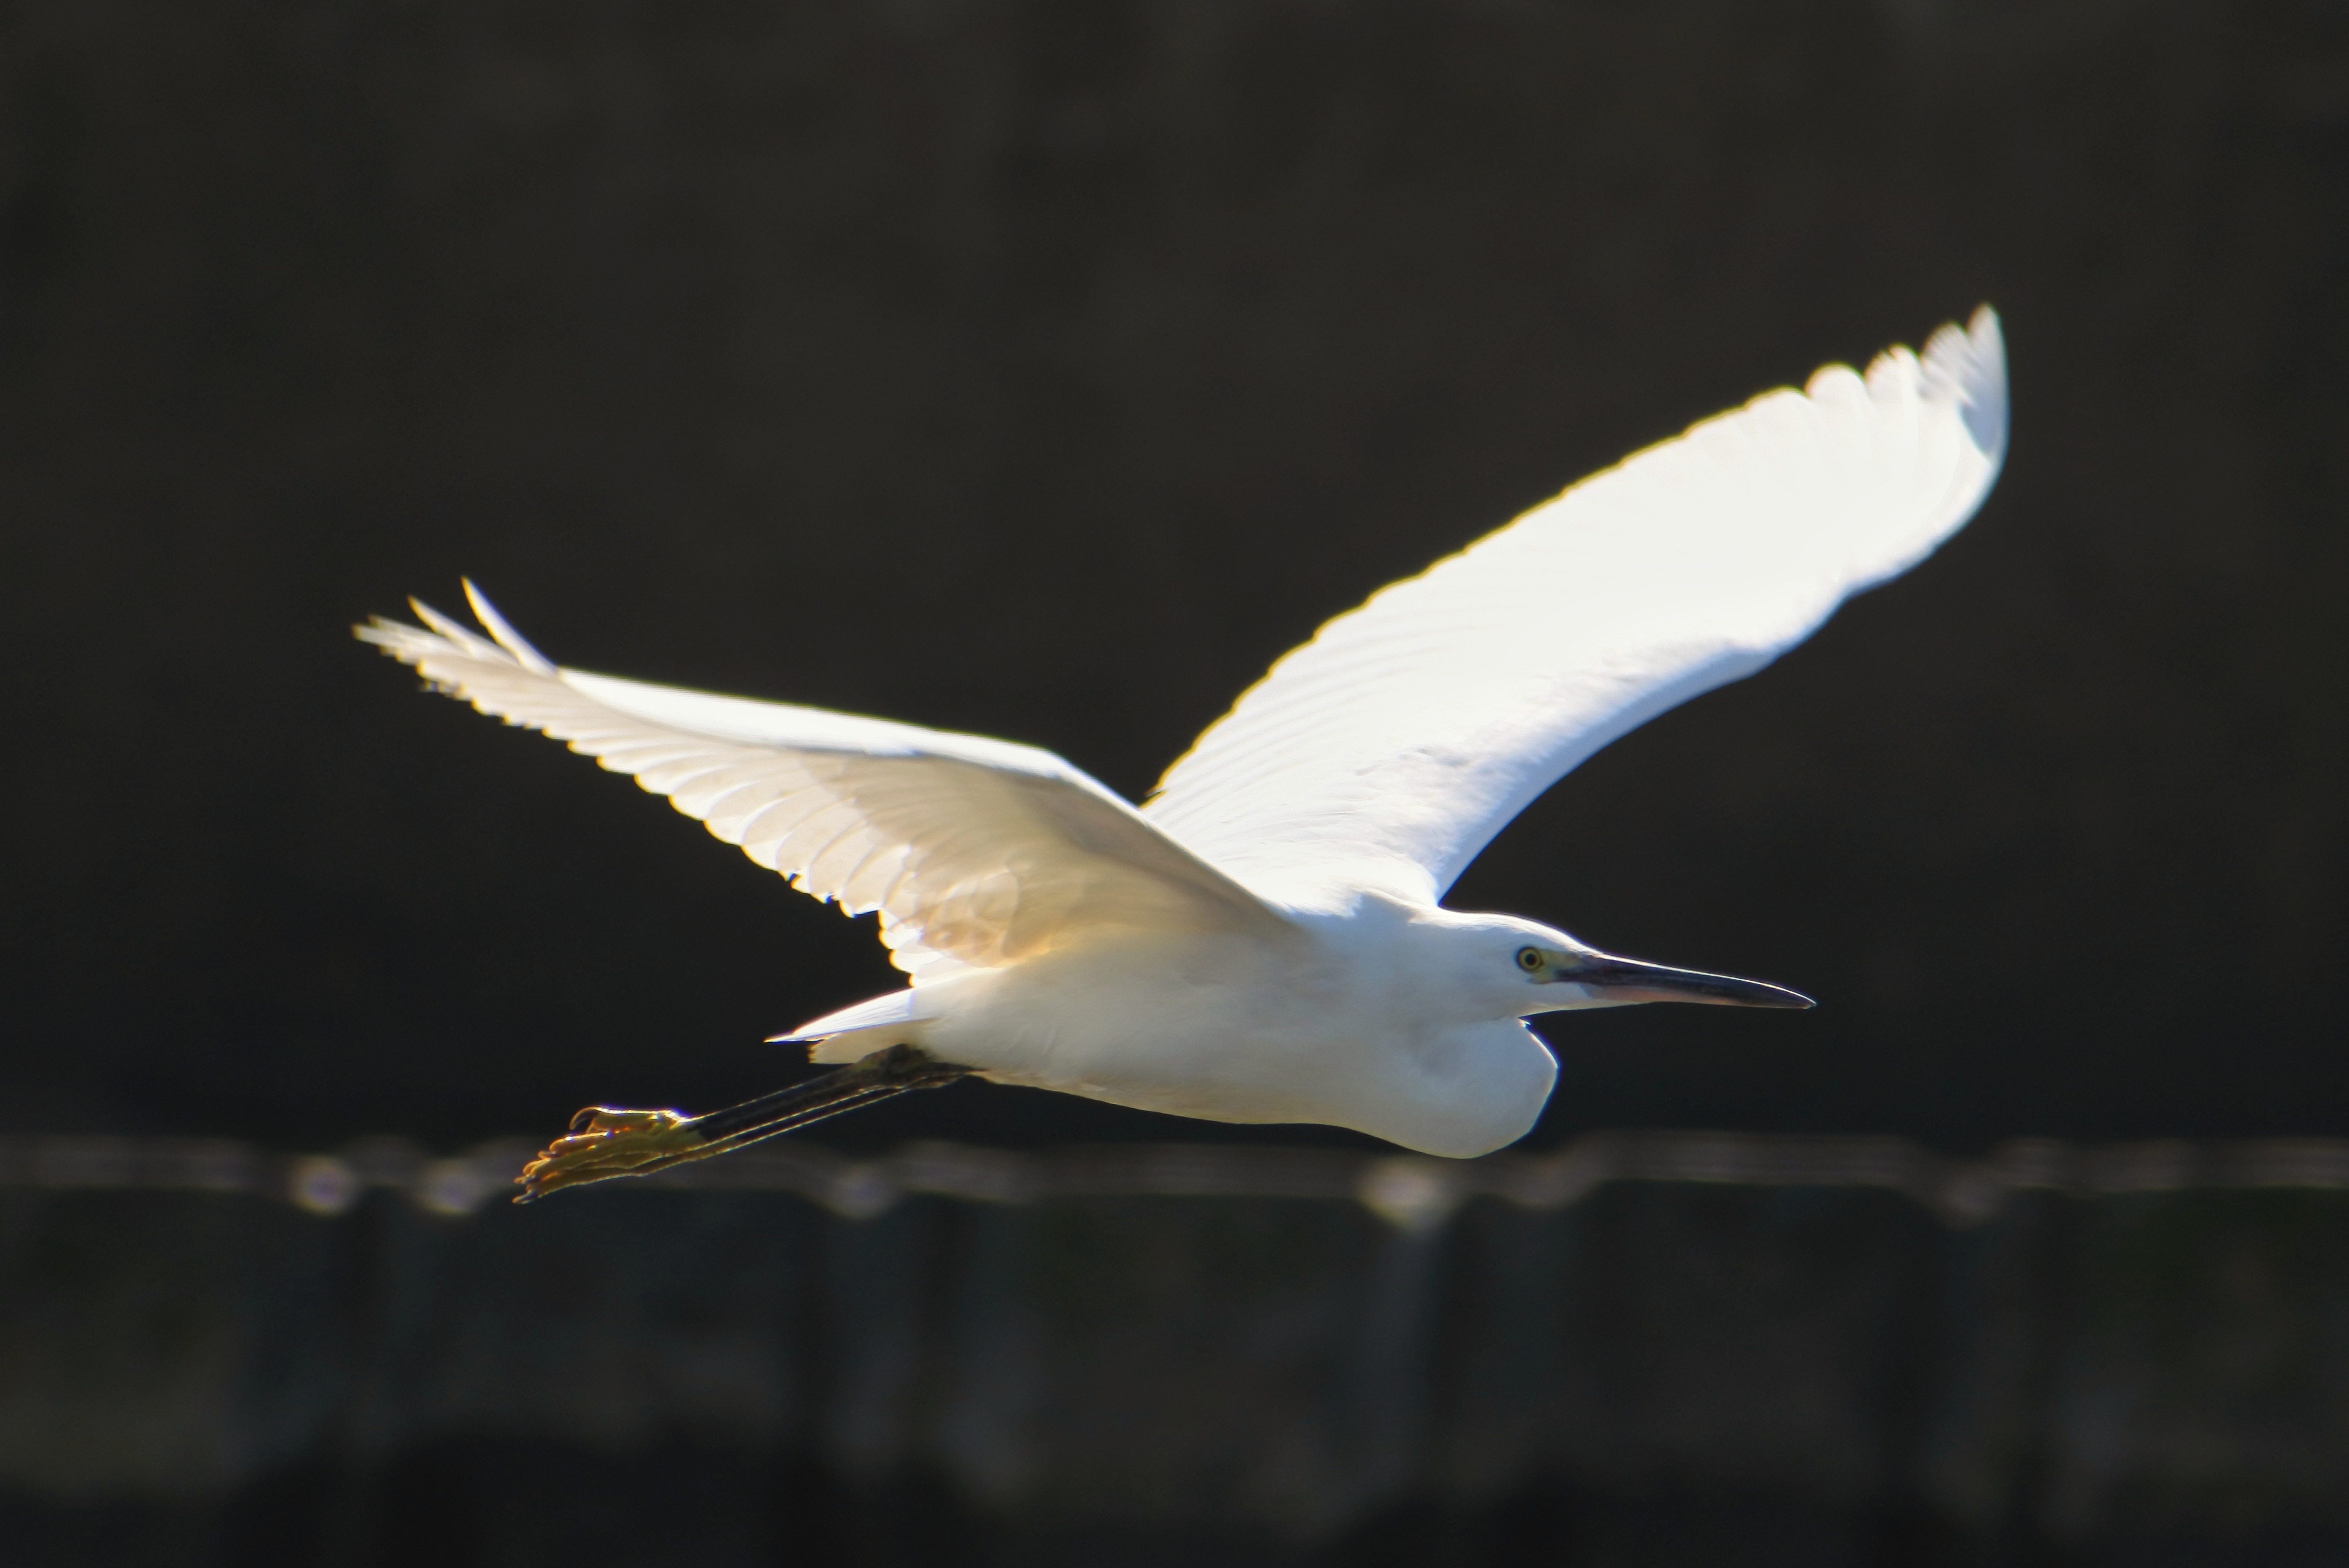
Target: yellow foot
606	1143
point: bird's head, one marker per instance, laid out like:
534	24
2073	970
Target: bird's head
1525	968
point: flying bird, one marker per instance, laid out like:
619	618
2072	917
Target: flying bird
1263	939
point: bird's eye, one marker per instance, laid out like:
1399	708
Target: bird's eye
1529	959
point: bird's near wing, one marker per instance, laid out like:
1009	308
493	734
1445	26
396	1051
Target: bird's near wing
976	852
1386	752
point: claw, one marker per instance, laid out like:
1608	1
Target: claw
607	1141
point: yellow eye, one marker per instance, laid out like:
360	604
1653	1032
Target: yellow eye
1529	959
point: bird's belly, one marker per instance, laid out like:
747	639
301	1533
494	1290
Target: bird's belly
1189	1040
1221	1037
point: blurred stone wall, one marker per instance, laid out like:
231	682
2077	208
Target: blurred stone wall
1662	1372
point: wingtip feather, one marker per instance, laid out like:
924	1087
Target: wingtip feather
512	641
1968	365
451	630
441	636
383	634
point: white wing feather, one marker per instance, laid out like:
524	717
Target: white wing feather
976	852
1385	753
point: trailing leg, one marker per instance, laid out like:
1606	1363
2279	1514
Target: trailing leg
605	1141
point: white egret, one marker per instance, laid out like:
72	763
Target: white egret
1262	940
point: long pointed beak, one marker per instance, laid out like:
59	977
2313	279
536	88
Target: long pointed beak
1612	979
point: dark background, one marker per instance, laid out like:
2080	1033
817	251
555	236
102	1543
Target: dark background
1045	368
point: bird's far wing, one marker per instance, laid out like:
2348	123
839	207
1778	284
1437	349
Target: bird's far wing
1387	752
976	852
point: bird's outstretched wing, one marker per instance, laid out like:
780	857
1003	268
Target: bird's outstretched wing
976	852
1387	752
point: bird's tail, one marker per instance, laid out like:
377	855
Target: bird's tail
856	1032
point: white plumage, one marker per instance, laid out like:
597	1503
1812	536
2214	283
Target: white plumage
976	852
1261	941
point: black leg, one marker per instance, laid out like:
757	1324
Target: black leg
606	1143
